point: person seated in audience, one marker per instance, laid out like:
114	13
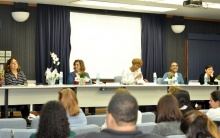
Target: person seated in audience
133	75
174	89
79	67
210	75
123	90
53	122
183	99
214	111
121	120
75	115
196	124
173	73
14	76
168	116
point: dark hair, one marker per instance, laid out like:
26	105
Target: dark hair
196	124
81	63
53	121
208	66
168	109
124	108
183	97
216	95
172	63
7	65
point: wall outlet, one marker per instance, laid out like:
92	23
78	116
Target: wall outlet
2	59
8	53
2	53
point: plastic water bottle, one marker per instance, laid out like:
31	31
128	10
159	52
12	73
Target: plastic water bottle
205	79
155	77
61	78
176	78
97	78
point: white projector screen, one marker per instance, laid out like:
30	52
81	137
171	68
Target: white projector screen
107	44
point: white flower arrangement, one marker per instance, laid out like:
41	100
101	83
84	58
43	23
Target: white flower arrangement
52	74
80	76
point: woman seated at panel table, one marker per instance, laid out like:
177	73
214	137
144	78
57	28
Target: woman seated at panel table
14	76
133	75
210	75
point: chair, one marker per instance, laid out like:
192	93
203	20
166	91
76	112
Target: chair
14	123
117	79
148	117
159	80
85	129
176	136
18	133
146	127
35	122
96	119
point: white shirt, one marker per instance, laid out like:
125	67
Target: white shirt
128	76
213	113
139	120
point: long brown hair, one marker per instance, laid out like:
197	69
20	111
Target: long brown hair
81	63
69	100
7	65
168	109
197	124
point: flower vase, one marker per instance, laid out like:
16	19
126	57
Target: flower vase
170	81
51	81
82	81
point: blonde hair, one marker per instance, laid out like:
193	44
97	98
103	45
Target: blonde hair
137	61
174	89
121	90
69	100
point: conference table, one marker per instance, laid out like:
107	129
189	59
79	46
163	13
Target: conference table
95	95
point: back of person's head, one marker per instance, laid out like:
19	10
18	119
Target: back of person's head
168	109
53	121
183	97
196	124
137	61
174	89
123	108
121	90
216	95
69	100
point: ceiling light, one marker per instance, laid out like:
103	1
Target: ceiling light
178	25
122	5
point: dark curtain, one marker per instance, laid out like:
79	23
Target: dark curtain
153	45
53	35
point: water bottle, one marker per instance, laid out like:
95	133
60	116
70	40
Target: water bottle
155	77
176	78
205	79
97	78
61	78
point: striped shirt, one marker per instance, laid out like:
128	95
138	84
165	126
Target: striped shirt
10	78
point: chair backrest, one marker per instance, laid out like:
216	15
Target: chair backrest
148	117
35	122
146	127
18	133
117	79
176	136
85	129
96	119
14	123
159	80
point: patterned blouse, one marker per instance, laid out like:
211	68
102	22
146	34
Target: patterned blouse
10	79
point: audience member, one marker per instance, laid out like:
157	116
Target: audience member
123	90
79	67
133	74
174	89
214	111
14	76
121	119
53	122
195	124
75	115
183	99
169	116
210	75
175	73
